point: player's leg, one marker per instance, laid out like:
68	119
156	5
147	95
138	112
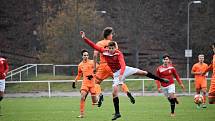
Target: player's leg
204	92
126	90
211	93
93	96
170	90
116	102
84	92
150	75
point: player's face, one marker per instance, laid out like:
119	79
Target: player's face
85	55
111	49
166	61
201	58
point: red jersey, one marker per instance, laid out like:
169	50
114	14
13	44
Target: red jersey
167	73
3	68
115	61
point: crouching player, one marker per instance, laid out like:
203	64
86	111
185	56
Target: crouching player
85	69
116	62
167	71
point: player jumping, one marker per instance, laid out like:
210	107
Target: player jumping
103	71
116	62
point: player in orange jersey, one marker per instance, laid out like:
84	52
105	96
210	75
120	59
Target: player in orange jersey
103	71
3	72
200	80
85	69
211	93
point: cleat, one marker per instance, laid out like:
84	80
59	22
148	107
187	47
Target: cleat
80	116
172	114
198	106
132	100
116	116
204	106
101	99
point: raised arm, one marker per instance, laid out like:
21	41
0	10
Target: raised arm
90	43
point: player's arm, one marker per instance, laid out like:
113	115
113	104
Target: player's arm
209	68
90	43
95	56
176	75
78	77
122	65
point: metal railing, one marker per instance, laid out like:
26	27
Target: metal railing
63	81
26	67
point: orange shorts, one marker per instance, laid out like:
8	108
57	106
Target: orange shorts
200	84
90	89
103	72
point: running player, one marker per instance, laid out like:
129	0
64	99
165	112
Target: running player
3	72
167	71
200	80
85	69
211	93
103	71
116	62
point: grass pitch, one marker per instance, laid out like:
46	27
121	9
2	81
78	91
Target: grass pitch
67	109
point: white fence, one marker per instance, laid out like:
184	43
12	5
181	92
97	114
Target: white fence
25	68
63	81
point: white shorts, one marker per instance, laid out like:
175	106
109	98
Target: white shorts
128	72
2	85
168	90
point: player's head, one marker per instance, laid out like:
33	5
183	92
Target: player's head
85	54
166	59
201	58
108	33
112	46
213	47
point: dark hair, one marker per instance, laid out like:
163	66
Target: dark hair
112	43
166	55
107	31
83	51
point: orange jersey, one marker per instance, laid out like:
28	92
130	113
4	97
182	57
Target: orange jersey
200	68
104	44
85	69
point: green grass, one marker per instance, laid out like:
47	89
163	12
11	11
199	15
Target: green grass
67	108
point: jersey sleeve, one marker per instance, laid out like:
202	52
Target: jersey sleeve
175	73
6	66
78	77
122	63
194	68
93	45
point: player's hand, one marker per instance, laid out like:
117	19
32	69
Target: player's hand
159	90
120	77
73	85
82	34
183	88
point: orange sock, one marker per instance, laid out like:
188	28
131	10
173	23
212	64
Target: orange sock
98	89
82	104
125	88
